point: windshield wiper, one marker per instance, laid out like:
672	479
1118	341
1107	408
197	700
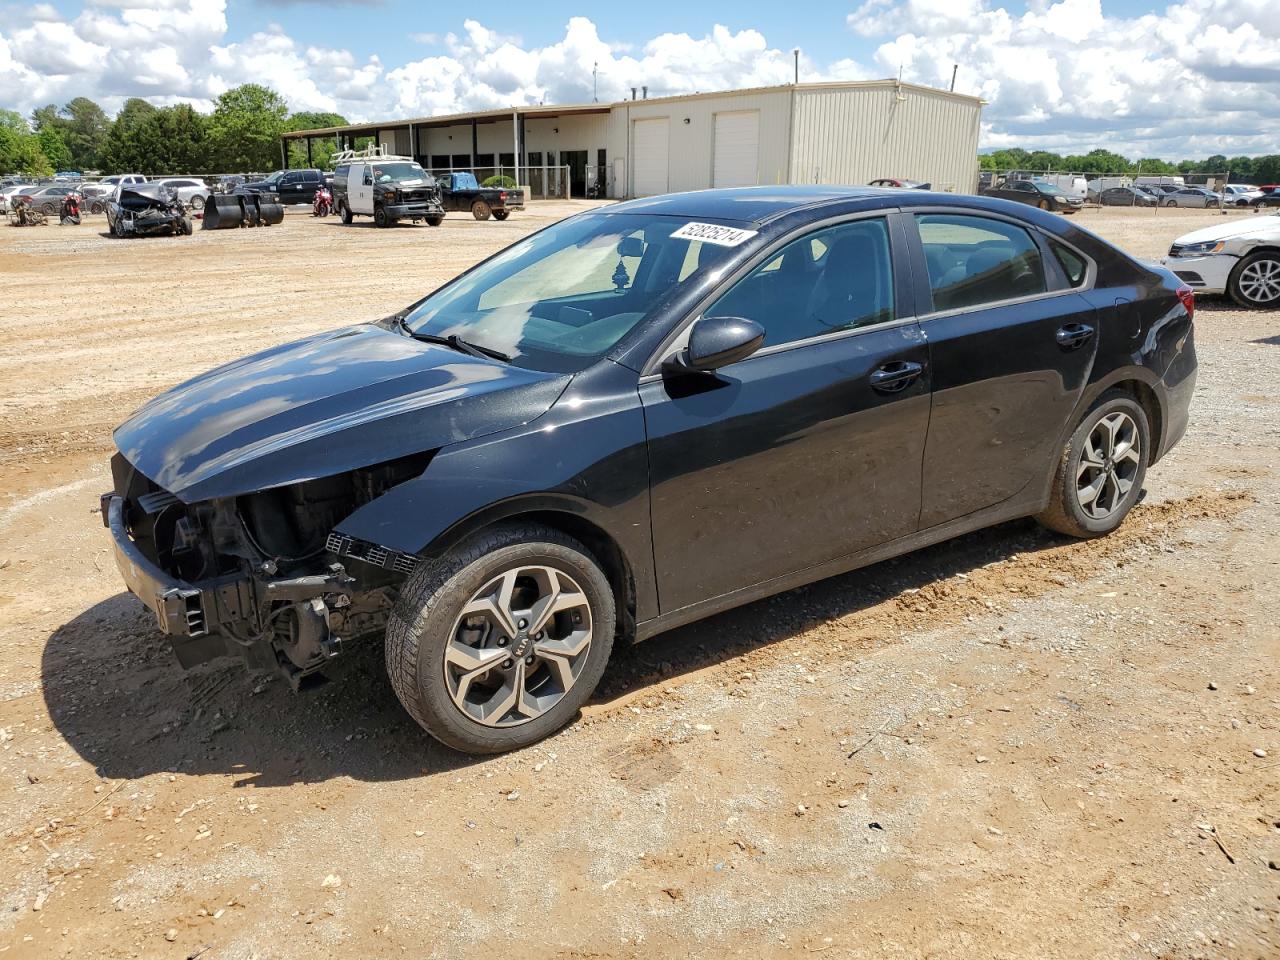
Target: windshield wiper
454	341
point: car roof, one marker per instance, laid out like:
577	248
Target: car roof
750	204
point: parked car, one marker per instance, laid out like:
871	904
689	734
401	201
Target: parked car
1240	194
460	191
900	184
639	416
1046	196
1191	197
1270	196
1126	197
291	186
190	190
384	187
47	198
1237	257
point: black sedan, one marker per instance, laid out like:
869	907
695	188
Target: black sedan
1126	197
1037	193
640	416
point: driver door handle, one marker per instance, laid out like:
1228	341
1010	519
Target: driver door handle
895	376
1074	335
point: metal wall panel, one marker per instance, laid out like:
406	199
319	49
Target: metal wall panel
852	135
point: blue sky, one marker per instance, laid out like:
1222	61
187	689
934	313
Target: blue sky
1174	79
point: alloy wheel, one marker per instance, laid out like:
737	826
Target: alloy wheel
1259	281
1109	462
518	646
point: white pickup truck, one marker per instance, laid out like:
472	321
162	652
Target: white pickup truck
1237	257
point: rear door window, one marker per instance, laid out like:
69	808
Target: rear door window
975	260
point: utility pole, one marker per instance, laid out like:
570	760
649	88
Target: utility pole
796	54
954	68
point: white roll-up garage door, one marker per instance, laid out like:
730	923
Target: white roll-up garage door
649	151
737	149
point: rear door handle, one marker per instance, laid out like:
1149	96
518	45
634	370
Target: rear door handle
1074	335
895	376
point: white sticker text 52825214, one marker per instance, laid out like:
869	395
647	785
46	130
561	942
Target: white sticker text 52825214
714	233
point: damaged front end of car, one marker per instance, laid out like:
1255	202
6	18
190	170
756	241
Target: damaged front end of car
262	576
148	209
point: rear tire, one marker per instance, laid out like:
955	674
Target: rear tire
345	213
468	681
481	210
1255	281
1172	203
1099	476
1043	204
48	209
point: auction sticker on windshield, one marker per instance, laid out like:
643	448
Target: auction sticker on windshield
714	233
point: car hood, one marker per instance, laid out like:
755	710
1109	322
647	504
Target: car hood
1266	226
323	406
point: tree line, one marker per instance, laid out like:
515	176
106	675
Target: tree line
241	134
1264	169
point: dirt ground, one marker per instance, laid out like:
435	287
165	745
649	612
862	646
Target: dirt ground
1010	745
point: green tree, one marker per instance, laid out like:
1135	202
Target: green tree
53	147
19	148
1215	164
126	149
85	132
245	128
1267	169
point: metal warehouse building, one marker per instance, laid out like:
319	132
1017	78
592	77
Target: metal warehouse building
848	133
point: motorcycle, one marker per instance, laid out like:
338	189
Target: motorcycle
322	204
70	213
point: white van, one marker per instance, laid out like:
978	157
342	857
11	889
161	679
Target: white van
386	187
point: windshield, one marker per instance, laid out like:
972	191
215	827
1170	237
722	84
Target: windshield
1049	188
397	172
560	299
273	177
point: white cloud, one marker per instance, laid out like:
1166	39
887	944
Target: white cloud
1200	77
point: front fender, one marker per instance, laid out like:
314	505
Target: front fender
584	457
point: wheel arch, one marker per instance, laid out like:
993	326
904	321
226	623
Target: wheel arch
568	517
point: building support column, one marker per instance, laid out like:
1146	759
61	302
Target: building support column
284	155
475	145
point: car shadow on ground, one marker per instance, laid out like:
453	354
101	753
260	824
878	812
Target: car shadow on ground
115	692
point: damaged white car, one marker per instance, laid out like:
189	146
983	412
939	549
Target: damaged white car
1237	257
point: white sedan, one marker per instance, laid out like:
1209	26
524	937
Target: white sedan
1237	257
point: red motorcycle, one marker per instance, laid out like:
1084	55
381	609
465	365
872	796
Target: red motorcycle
322	205
70	209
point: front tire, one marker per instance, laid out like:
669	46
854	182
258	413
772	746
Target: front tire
499	643
1099	477
1255	281
380	218
434	221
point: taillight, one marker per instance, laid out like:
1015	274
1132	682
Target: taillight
1188	298
502	195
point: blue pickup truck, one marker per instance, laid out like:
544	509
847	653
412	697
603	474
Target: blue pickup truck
460	191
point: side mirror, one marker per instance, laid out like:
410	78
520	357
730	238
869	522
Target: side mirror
717	342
